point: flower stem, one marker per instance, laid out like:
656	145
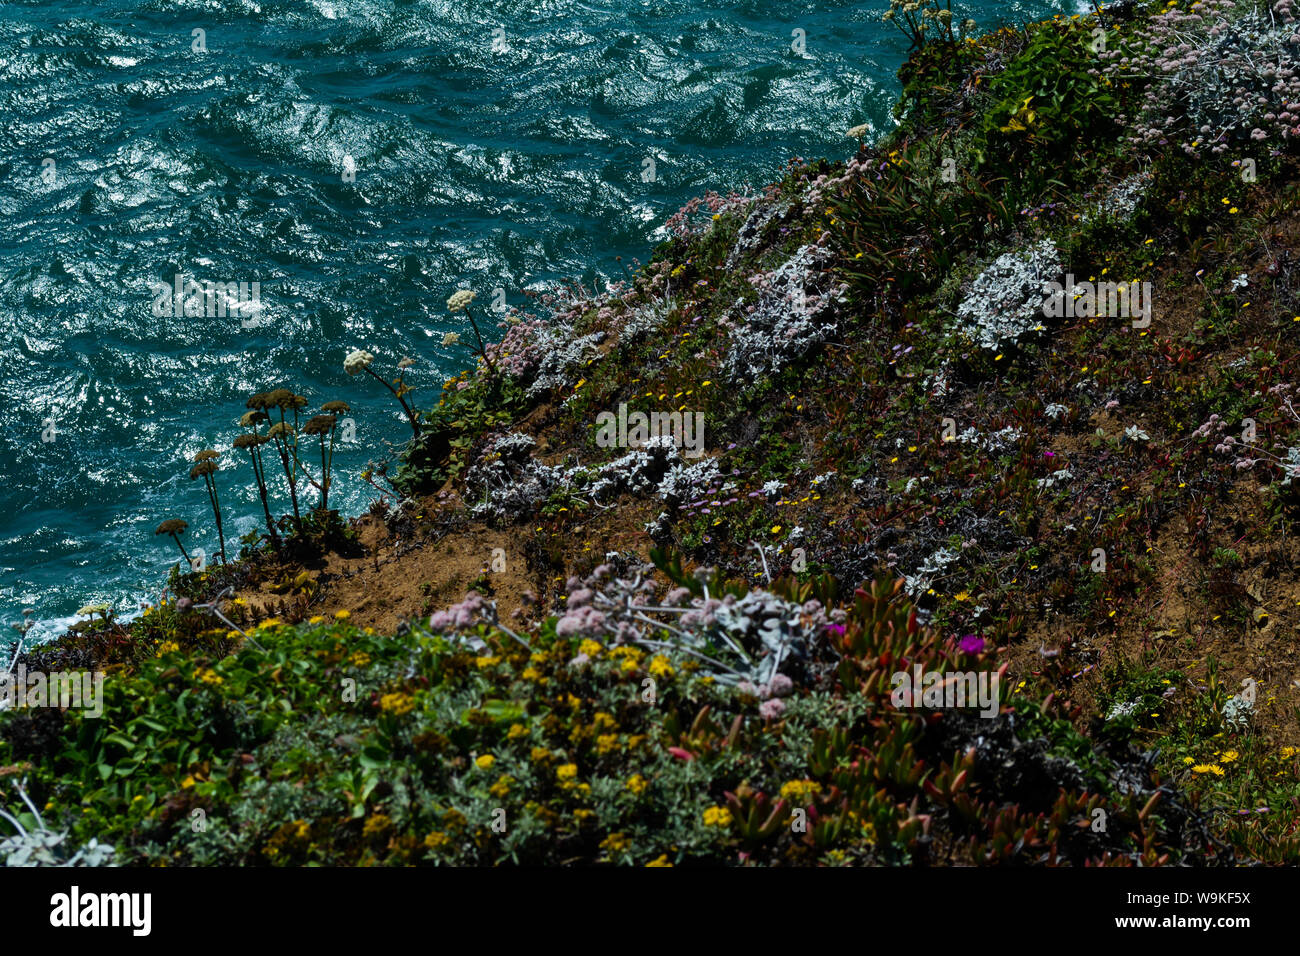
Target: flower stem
482	349
410	412
185	554
216	513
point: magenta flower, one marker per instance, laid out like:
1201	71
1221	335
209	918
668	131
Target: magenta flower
971	644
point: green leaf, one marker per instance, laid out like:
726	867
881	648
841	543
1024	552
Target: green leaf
373	757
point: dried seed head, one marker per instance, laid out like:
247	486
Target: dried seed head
249	419
320	425
281	398
261	401
406	363
280	430
336	408
202	468
207	455
172	526
249	441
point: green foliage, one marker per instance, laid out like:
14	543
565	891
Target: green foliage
461	417
323	743
1043	107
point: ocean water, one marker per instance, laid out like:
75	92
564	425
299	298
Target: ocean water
494	145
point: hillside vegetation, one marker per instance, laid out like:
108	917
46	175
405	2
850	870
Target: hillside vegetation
1008	392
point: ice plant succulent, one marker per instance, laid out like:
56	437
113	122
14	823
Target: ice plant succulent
205	466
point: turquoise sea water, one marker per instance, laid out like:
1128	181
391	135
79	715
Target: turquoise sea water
495	145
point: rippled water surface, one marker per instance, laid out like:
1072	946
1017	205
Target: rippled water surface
495	144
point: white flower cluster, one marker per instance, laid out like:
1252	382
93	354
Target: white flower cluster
751	232
639	322
1125	709
1122	201
460	300
1055	478
995	442
795	312
509	482
357	361
752	642
918	583
684	482
1006	300
561	355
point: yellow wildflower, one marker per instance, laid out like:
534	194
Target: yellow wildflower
615	843
660	667
717	817
799	791
396	704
